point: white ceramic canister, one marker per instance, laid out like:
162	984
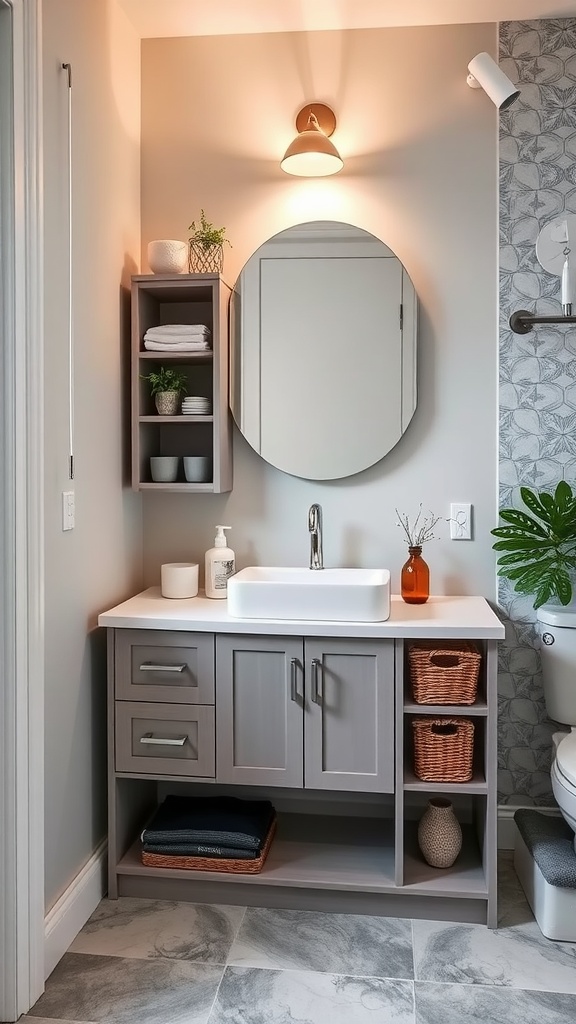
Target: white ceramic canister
167	256
179	579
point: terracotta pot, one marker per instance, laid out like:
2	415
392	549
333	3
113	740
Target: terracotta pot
439	834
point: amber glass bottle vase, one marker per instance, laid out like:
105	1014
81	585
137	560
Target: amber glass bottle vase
415	578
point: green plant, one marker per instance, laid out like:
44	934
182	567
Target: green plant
206	234
421	530
165	379
540	549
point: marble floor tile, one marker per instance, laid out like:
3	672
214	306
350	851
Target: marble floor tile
48	1020
109	989
452	1004
515	955
335	943
255	996
157	928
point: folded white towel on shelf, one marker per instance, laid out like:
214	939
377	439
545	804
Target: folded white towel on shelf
180	346
167	330
180	339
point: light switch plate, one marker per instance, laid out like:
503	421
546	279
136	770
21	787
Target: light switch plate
460	521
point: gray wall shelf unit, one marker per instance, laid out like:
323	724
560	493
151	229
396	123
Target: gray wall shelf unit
320	726
159	299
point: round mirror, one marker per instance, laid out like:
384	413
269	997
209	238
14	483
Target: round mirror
323	350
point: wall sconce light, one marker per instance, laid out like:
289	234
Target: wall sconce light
311	154
484	73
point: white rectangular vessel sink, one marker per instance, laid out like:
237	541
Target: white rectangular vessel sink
341	595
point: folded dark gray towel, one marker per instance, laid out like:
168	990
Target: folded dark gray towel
214	821
199	850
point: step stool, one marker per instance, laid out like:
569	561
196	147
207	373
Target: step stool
545	862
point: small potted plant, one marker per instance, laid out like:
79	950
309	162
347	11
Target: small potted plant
166	386
415	574
539	549
206	247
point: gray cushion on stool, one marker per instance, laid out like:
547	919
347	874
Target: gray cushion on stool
550	841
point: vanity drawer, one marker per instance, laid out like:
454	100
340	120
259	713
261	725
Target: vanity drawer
156	664
165	739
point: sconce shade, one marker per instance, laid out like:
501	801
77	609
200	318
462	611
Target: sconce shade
484	73
311	154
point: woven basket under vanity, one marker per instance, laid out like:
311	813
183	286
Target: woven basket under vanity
443	749
444	672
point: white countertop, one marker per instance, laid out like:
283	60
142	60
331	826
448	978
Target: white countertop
448	617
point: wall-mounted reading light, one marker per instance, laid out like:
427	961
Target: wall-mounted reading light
484	73
312	154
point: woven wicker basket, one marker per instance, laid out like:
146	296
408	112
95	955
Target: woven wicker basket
445	672
244	867
443	749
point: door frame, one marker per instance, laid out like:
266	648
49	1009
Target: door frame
21	536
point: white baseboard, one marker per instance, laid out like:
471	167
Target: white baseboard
507	827
70	913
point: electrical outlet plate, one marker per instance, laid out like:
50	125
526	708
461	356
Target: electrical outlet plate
460	521
68	510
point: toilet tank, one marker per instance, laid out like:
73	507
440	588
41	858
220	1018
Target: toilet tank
557	627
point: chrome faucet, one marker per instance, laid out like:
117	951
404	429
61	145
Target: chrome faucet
315	530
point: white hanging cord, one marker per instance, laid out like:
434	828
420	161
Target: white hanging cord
68	69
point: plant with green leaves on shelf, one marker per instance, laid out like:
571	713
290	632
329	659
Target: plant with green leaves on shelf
166	386
205	234
206	247
540	549
166	379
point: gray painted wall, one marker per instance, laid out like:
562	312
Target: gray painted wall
99	562
538	370
420	152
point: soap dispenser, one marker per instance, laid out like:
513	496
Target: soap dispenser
219	565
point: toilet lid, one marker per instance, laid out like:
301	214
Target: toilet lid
566	757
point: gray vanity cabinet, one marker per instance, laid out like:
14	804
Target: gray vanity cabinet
259	701
312	713
349	719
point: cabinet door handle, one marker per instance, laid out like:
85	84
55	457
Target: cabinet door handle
316	698
149	666
293	679
167	741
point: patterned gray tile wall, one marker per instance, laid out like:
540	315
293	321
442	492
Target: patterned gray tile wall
537	370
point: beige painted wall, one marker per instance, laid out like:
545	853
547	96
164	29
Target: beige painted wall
420	173
99	562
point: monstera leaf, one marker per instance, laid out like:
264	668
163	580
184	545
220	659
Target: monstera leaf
540	545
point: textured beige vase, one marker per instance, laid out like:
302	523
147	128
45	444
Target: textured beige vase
439	834
167	402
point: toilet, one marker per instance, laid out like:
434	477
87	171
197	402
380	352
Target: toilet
557	626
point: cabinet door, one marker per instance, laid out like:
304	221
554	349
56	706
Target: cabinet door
259	710
349	719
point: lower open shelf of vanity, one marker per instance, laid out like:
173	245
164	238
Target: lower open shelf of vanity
351	858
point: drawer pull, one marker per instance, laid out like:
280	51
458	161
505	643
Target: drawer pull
149	666
176	741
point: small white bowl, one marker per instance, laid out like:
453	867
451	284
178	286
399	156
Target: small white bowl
167	256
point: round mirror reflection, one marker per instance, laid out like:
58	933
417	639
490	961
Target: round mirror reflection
323	350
